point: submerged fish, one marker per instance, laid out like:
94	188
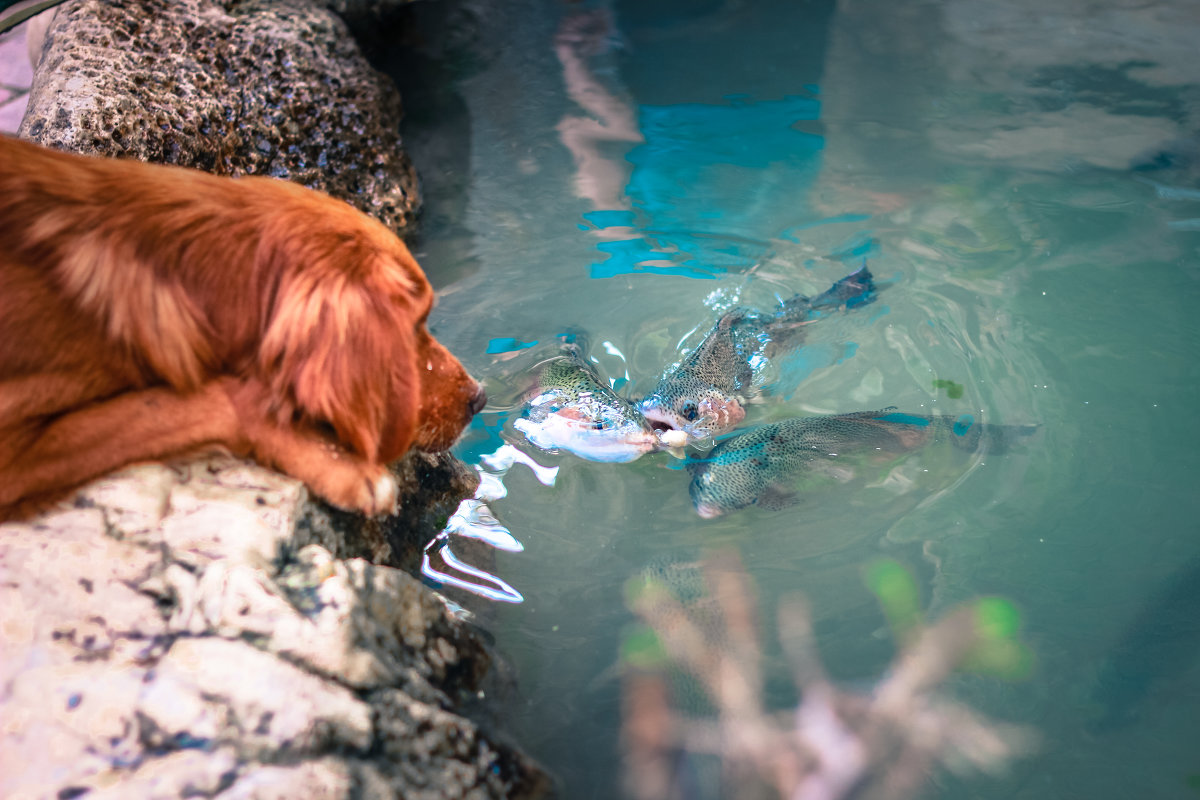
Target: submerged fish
763	465
572	409
702	396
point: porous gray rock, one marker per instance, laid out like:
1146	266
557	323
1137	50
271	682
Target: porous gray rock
267	88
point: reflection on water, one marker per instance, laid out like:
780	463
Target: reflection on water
1023	175
474	520
652	202
733	146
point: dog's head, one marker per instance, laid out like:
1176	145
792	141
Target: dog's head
345	342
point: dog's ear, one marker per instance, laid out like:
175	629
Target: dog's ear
338	349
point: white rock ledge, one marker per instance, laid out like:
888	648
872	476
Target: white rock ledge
161	637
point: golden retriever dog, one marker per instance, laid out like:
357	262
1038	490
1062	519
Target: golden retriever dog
149	311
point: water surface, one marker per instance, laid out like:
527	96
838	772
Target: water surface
1022	175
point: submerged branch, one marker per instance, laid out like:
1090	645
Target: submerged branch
835	744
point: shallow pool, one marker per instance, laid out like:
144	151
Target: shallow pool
1022	177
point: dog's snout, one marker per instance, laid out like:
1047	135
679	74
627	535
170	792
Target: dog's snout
478	400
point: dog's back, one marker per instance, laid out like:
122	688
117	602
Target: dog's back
100	261
251	312
40	334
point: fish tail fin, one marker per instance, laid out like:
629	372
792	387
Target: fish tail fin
1001	438
856	289
963	431
967	434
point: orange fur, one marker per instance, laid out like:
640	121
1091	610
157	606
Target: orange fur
146	311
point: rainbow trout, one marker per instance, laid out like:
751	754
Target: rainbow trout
572	409
761	466
703	395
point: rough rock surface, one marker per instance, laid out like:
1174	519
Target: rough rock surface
433	485
273	88
163	637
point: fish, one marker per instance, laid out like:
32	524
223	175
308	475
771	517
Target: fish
573	409
762	465
702	396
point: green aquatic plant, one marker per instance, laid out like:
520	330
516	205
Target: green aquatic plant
897	593
994	648
642	649
997	651
953	390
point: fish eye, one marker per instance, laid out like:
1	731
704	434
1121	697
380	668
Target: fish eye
689	411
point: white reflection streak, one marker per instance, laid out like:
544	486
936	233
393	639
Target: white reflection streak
613	350
507	455
474	520
503	591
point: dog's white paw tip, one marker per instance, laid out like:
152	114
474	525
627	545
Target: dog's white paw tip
386	494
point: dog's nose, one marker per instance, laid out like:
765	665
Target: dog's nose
478	400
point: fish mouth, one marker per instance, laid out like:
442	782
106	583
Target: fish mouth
709	510
715	417
667	434
659	425
671	434
659	420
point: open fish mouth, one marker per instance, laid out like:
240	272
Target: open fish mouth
716	417
658	420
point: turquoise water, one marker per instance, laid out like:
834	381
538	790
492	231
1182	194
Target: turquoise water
1023	177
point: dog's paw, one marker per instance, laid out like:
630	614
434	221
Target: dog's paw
367	488
385	494
377	492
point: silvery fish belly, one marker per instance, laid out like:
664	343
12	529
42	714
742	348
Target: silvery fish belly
572	409
702	396
763	465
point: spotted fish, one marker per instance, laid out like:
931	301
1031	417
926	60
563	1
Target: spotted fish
703	395
763	465
572	409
